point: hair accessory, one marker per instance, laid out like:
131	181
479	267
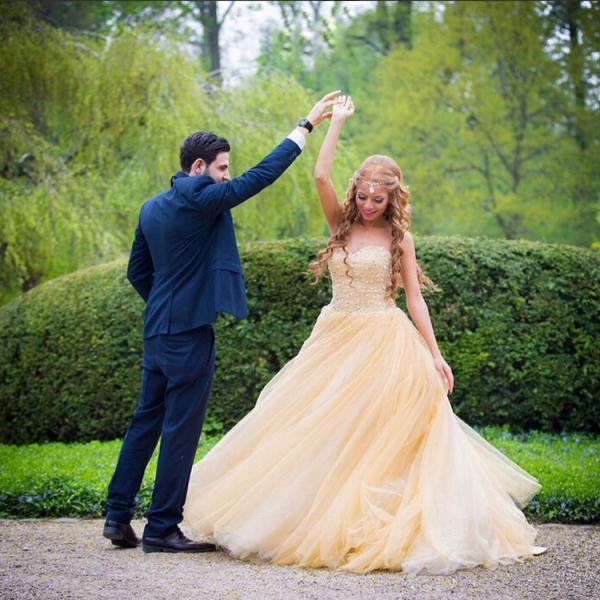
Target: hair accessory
372	182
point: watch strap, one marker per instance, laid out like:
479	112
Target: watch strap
304	122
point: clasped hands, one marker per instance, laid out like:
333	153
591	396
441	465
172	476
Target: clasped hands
341	106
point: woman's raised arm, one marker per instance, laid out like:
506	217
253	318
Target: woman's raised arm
343	109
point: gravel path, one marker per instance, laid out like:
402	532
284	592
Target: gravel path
68	558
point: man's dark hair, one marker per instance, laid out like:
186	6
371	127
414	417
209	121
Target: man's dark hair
204	145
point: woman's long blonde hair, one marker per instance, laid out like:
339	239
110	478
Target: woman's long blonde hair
383	171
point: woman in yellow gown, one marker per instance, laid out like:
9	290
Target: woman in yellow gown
352	457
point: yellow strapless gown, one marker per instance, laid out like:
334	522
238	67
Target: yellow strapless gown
353	459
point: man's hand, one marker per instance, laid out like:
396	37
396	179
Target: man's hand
343	108
318	112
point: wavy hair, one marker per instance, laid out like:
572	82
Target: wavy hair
383	171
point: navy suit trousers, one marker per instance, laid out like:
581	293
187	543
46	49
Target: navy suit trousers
177	377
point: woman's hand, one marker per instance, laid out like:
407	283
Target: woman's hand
445	371
343	108
318	111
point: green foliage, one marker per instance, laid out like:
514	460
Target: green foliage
356	50
490	109
324	48
516	320
567	465
59	480
475	115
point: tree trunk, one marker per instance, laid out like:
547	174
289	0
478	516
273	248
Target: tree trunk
575	65
211	52
403	22
393	22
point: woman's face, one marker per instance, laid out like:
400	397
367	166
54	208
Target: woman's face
371	201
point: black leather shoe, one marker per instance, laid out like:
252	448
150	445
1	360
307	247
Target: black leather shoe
121	534
175	542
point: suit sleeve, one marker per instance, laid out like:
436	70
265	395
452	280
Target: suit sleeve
140	270
216	198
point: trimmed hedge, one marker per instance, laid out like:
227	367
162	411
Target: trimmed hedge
516	320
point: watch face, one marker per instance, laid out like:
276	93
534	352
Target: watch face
305	123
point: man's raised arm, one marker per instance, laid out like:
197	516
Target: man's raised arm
213	198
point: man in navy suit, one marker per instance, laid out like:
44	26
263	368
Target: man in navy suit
185	264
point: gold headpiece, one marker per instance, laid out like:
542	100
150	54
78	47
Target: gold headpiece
372	182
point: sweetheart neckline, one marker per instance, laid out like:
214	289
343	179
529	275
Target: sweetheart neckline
351	254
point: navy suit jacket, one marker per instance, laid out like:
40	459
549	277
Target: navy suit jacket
184	261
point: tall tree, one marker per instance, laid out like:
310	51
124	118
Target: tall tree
574	33
174	16
385	27
326	46
206	13
474	113
573	27
306	33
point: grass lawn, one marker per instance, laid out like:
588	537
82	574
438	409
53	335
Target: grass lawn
70	480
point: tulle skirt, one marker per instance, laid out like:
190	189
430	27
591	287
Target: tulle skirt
352	459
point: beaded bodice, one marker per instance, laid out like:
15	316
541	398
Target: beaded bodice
365	289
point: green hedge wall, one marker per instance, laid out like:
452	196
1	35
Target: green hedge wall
517	321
